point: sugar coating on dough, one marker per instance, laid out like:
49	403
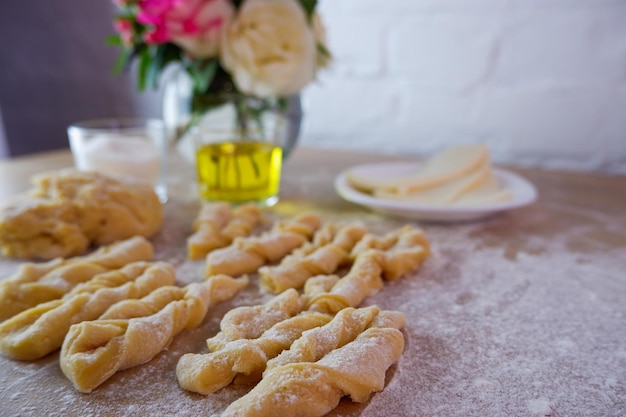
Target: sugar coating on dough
303	338
322	256
35	332
316	343
404	249
404	237
319	284
33	284
244	219
246	351
95	350
216	214
69	210
217	226
314	389
243	359
249	322
323	236
206	229
247	254
377	258
363	279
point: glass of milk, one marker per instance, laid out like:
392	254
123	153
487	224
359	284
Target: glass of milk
134	148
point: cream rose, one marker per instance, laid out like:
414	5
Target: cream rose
269	48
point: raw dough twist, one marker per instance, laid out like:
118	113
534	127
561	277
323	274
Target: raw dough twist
249	322
326	258
245	218
129	335
319	284
315	343
247	255
40	330
206	227
314	389
364	279
207	373
33	284
405	250
217	226
390	257
323	236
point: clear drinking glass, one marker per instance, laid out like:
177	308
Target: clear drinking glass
135	148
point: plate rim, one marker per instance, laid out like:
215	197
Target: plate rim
347	192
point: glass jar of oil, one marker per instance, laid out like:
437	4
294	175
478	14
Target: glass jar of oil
239	171
239	155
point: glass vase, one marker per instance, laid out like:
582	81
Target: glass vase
178	115
237	142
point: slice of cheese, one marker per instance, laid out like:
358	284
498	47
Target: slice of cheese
458	176
489	192
447	193
450	164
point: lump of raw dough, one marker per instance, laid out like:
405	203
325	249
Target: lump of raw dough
67	211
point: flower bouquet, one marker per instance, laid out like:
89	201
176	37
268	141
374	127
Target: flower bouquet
250	57
255	53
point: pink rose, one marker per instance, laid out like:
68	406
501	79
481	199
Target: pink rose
194	25
125	28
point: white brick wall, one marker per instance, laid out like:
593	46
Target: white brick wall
542	82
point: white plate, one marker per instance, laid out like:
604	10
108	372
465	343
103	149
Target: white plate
524	193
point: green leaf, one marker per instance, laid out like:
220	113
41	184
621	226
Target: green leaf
202	74
282	103
153	71
143	69
171	53
159	56
114	40
309	8
322	50
121	62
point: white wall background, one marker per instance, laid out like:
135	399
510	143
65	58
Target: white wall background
542	82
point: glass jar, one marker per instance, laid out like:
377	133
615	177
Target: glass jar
177	113
135	148
237	142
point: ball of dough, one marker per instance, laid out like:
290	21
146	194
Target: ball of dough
68	210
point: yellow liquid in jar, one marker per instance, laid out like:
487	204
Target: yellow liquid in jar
239	171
